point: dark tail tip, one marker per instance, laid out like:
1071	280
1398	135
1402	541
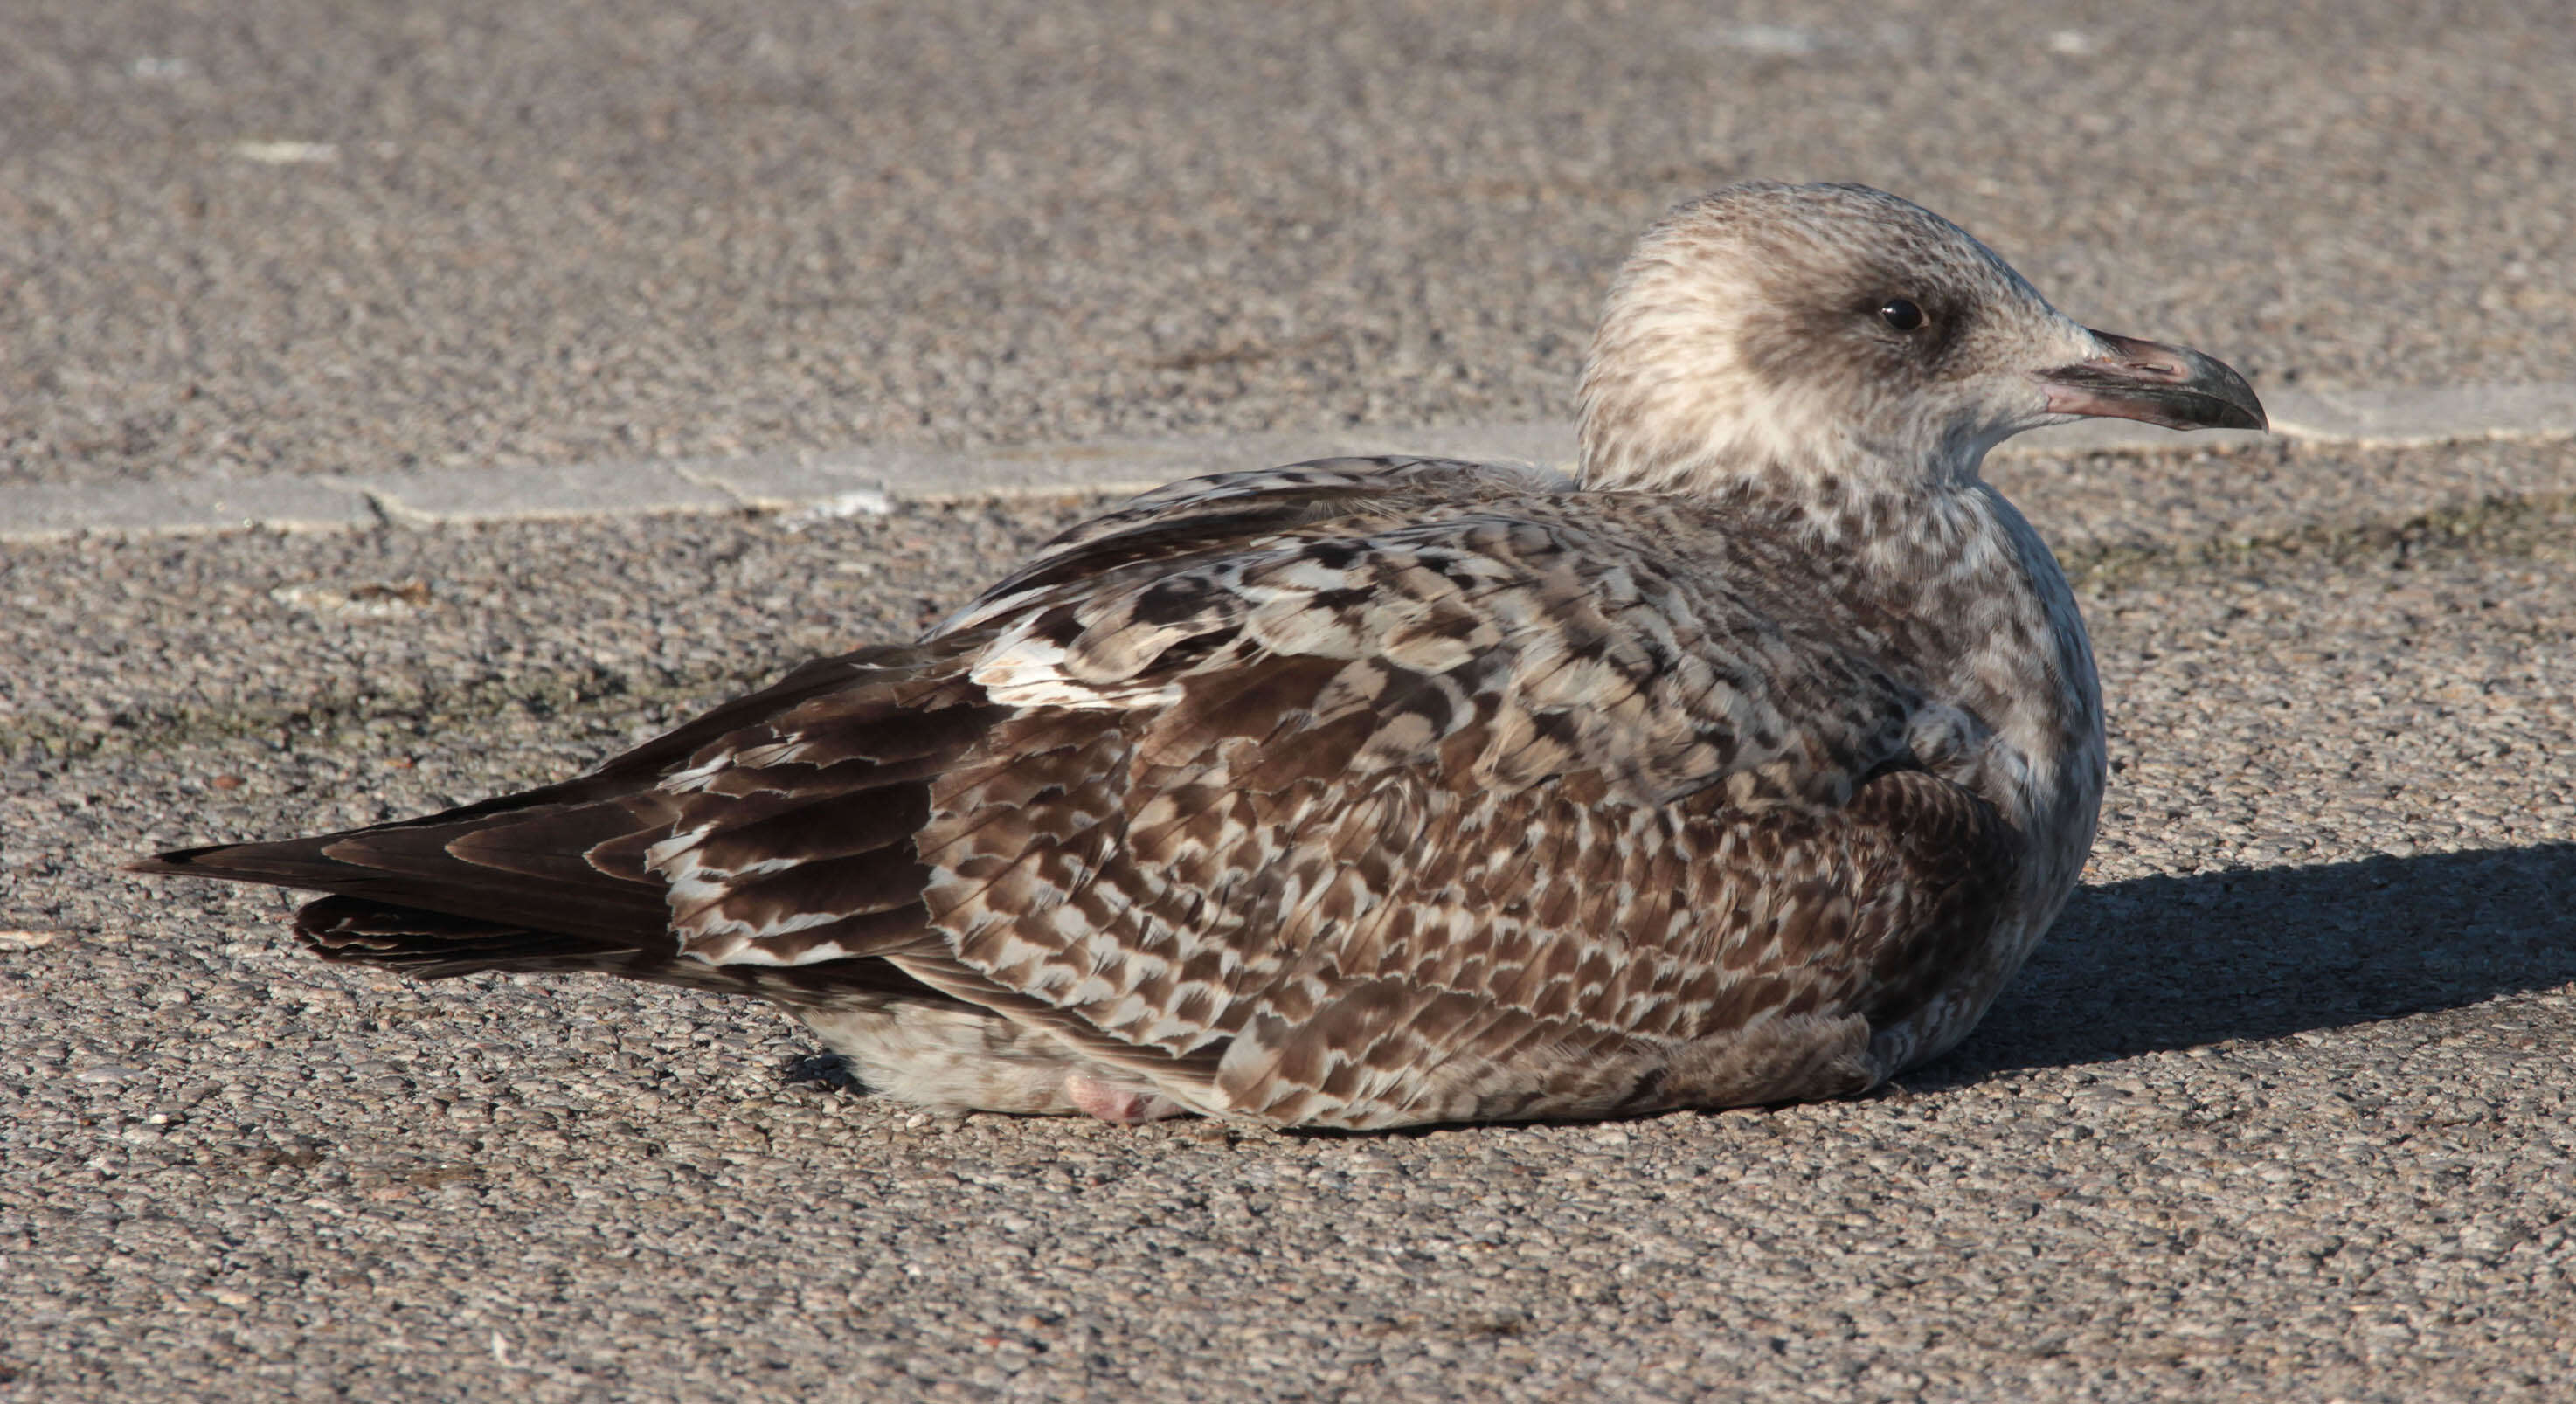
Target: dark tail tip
178	860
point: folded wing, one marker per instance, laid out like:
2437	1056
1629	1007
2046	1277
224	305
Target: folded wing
1349	794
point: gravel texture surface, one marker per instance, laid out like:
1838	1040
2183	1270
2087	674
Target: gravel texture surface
2281	1112
302	235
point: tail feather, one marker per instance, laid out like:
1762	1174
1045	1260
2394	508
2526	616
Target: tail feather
830	765
437	946
412	867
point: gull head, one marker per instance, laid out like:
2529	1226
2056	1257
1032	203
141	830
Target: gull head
1839	330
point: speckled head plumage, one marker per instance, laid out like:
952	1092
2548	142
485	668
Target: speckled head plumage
1837	328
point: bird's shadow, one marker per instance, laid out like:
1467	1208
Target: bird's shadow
2180	962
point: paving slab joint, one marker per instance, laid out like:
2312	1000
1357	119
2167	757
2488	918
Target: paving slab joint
873	479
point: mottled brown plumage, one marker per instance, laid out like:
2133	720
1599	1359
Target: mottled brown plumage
1743	767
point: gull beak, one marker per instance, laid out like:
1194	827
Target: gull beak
2174	386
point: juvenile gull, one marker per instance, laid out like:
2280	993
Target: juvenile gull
1744	766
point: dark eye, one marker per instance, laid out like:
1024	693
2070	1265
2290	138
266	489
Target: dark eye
1901	313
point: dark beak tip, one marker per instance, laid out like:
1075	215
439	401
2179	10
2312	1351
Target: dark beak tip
2172	386
2216	412
2236	411
2241	407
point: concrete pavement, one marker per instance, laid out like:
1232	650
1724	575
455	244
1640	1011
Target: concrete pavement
301	237
2281	1112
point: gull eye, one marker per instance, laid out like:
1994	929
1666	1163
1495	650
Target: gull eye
1901	313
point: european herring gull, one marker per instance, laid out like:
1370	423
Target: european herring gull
1742	766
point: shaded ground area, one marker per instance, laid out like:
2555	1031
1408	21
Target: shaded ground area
2162	963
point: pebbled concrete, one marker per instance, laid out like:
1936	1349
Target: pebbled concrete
298	236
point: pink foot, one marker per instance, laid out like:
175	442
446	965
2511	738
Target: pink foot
1122	1106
